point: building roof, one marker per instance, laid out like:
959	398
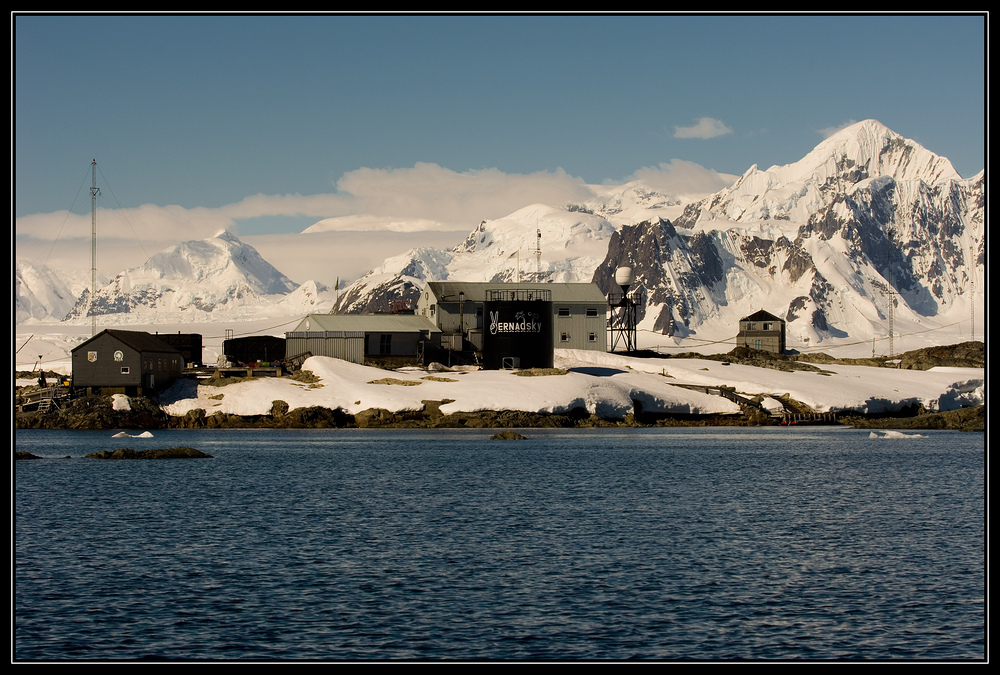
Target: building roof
137	340
368	323
761	315
475	291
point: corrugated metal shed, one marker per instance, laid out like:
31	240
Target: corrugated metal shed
355	337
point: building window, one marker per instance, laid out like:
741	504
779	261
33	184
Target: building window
751	325
432	309
591	312
564	311
385	344
592	337
564	337
756	344
768	326
124	370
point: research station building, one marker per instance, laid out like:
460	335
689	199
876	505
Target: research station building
762	330
577	316
124	361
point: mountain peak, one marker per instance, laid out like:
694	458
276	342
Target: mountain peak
841	164
869	149
218	272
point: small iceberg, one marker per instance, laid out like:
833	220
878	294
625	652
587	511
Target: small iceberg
894	434
122	434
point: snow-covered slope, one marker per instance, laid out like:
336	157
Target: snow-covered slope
537	241
220	277
607	385
40	293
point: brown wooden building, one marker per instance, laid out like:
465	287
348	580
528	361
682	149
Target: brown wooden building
762	330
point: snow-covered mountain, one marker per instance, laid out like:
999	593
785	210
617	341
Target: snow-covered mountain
216	277
40	293
535	242
866	219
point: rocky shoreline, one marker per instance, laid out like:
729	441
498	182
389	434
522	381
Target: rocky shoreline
97	413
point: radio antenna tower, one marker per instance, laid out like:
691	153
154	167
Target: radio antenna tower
538	254
891	289
94	191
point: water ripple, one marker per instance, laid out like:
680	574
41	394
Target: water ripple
577	545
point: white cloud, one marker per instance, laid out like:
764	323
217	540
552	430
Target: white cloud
426	197
433	194
705	127
375	211
680	177
143	223
830	131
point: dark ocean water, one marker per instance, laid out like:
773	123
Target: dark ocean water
807	543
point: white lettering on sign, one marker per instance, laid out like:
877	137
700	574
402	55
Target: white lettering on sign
524	322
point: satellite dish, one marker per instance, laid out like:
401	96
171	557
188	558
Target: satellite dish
623	277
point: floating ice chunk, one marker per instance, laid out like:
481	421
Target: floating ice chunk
122	434
894	434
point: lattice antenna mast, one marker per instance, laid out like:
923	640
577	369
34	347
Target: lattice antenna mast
538	253
971	266
94	191
891	290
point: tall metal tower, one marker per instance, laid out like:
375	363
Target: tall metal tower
94	191
622	313
891	291
538	254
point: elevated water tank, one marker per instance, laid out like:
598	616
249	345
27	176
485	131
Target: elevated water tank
623	277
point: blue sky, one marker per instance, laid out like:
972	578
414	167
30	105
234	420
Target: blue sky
231	117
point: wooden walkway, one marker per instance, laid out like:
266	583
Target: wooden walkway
44	400
787	416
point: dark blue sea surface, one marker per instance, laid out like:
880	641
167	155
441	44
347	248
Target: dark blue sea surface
704	544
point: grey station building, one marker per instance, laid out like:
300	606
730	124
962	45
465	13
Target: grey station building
458	309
